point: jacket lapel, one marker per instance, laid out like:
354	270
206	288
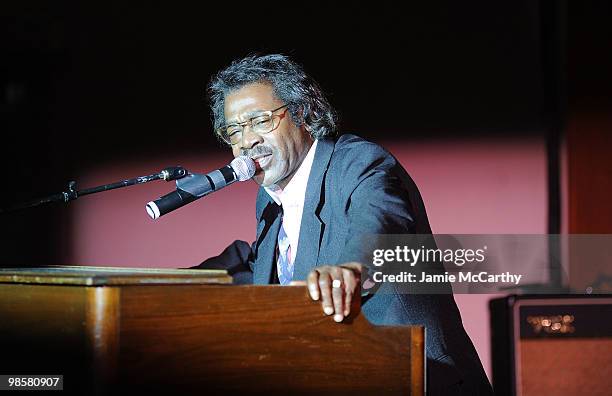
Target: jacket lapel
265	245
311	227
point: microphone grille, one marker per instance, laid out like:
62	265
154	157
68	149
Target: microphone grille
244	167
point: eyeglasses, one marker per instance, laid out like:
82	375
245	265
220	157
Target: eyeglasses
260	124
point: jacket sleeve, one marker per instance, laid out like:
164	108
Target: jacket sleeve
236	259
377	202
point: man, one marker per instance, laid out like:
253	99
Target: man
320	196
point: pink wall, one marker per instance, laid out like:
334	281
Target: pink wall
484	186
113	228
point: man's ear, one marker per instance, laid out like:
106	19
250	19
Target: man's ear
302	121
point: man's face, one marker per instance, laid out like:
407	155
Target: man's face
277	154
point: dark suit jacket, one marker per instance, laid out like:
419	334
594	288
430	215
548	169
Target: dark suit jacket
356	188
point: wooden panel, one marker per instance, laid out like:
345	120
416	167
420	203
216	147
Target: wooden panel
266	339
108	276
102	322
189	338
43	330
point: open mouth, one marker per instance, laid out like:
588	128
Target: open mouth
262	159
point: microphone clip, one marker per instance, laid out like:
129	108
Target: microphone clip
173	173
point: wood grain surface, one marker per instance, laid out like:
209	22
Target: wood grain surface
203	339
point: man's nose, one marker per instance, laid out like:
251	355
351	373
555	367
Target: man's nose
250	138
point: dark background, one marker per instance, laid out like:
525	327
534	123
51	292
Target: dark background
84	84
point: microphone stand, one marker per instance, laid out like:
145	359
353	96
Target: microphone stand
167	174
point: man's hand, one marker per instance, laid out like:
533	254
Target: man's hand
336	286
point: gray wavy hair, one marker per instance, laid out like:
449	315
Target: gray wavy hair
290	84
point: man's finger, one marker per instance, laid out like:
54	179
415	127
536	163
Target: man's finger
337	293
350	284
313	285
326	294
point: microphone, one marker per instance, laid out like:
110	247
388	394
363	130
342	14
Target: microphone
195	186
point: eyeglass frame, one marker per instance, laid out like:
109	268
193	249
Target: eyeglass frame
249	123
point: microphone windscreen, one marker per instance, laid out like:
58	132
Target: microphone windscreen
244	167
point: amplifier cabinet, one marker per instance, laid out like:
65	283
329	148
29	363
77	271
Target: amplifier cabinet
552	345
